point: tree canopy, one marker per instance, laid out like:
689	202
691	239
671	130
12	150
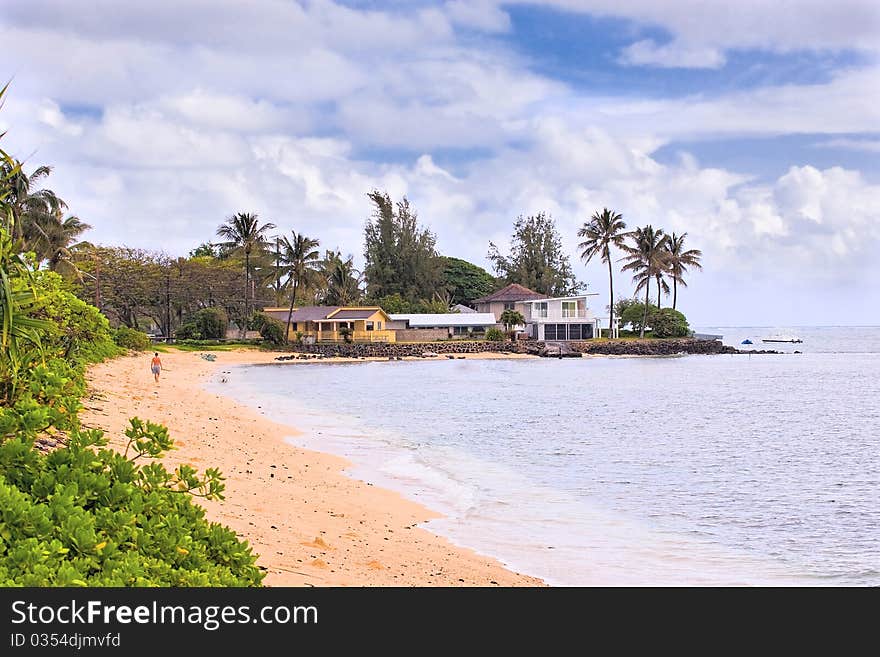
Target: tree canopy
465	281
536	259
401	257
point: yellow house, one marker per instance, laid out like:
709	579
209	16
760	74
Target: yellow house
331	323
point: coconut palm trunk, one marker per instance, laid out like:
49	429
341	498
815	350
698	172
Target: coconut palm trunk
658	290
674	292
290	310
645	314
610	301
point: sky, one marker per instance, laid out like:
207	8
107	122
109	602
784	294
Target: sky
753	126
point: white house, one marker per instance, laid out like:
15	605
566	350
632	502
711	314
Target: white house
560	318
413	327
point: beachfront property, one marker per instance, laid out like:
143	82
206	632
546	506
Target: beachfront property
511	297
560	318
332	323
547	318
423	327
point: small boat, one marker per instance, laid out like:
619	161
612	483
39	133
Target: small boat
747	341
782	338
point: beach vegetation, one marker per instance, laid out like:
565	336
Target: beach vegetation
536	259
647	257
245	236
605	231
678	260
204	324
300	260
465	281
401	256
341	282
668	323
495	335
129	338
636	316
511	318
271	330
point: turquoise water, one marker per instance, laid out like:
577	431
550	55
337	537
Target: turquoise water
693	470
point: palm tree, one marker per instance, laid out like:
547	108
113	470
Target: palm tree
646	257
30	207
300	258
244	234
342	282
679	261
604	230
55	245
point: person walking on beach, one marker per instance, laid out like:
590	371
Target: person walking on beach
156	366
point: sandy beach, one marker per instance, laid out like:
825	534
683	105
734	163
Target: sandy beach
310	523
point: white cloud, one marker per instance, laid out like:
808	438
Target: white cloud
672	55
867	145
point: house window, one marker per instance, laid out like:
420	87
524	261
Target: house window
379	325
574	332
369	326
550	331
509	306
569	308
540	309
294	327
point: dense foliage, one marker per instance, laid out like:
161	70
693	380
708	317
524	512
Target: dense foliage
495	335
401	257
271	330
536	259
204	324
129	338
465	281
394	303
668	323
78	513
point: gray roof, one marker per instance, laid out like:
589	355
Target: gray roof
428	320
460	307
512	292
354	313
304	314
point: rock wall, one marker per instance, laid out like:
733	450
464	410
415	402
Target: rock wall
394	349
605	347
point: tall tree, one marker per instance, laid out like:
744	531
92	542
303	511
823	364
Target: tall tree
603	231
646	256
680	259
536	258
341	281
244	235
401	257
465	281
300	259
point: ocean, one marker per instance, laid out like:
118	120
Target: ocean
692	470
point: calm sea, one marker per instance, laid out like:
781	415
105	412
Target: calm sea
696	470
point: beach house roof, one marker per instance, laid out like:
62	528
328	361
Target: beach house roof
304	314
461	308
442	320
513	292
355	313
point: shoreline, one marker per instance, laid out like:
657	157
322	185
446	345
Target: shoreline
311	523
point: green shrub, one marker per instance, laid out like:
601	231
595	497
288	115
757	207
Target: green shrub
272	331
668	323
204	324
129	338
495	335
84	515
634	313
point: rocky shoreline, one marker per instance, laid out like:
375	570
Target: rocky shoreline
672	347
